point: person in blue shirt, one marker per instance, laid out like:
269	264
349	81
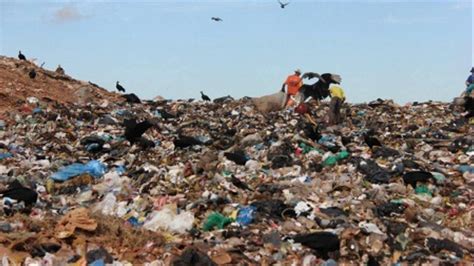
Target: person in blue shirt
470	82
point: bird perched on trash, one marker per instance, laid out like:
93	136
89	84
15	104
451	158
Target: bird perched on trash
370	140
20	193
21	56
134	130
412	178
119	87
283	5
204	97
60	70
184	141
238	183
216	19
32	74
166	115
321	242
238	157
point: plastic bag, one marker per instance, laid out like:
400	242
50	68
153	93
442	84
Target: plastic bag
167	219
94	168
246	215
216	219
108	205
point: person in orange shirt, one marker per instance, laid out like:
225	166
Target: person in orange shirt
293	84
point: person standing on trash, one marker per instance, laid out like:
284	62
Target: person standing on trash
293	84
337	99
470	83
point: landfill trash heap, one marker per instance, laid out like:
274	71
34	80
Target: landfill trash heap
198	183
48	86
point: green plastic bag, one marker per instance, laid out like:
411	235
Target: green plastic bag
332	160
216	219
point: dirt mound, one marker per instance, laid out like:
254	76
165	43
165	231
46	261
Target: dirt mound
48	86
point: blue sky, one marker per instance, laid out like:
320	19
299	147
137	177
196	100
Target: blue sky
403	50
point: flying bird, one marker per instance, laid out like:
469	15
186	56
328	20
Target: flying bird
282	5
216	18
32	74
119	87
21	56
204	97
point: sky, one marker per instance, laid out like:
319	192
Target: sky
402	50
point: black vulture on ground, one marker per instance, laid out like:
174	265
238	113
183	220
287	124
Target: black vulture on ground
20	193
238	183
321	242
32	74
166	115
119	87
371	141
412	178
21	56
185	142
238	157
204	97
60	70
134	130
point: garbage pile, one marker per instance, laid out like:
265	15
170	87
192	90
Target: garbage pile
17	84
194	183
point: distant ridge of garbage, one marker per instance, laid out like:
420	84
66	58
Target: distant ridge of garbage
51	87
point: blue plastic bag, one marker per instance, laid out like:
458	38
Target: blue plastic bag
94	168
246	215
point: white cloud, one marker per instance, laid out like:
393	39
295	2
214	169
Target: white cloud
67	14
